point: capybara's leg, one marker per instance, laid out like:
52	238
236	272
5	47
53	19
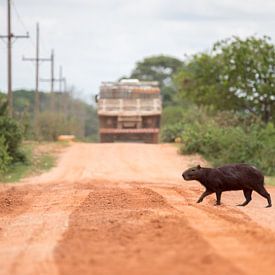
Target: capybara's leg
218	195
247	193
204	194
262	191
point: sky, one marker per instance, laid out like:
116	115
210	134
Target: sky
101	40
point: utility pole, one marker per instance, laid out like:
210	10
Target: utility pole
10	37
37	61
60	78
52	80
62	81
63	91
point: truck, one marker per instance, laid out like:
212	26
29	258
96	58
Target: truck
129	111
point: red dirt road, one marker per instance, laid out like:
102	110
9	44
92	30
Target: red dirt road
124	209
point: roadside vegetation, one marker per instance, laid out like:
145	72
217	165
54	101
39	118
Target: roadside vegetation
62	114
24	133
220	103
39	157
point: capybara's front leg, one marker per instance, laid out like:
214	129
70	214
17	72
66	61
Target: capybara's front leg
204	194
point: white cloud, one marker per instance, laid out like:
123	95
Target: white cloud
97	40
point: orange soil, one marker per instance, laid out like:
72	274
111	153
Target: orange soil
124	209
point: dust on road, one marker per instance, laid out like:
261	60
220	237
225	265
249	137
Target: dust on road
124	209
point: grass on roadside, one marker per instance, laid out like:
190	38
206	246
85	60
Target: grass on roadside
38	161
270	181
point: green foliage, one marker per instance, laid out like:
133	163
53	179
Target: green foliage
12	133
159	68
175	119
5	158
230	144
171	115
170	132
69	115
234	87
10	138
36	163
91	124
3	105
236	75
51	125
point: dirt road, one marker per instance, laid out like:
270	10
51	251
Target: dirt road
124	209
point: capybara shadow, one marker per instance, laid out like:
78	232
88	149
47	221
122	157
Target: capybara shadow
227	178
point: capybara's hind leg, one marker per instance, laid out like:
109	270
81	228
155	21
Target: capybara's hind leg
262	191
247	193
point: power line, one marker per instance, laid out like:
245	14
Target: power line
37	61
10	38
21	22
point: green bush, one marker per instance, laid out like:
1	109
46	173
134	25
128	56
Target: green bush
175	119
5	158
221	145
51	125
13	136
170	132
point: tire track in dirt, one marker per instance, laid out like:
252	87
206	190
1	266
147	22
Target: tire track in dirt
16	200
28	237
133	230
231	233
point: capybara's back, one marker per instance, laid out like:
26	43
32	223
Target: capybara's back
240	176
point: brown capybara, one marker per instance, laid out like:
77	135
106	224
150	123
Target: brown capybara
229	177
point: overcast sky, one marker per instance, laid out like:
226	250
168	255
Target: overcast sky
101	40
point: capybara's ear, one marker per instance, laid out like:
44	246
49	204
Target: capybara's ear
199	167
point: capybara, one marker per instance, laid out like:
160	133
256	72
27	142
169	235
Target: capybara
229	177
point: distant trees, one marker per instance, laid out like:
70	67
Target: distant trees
68	115
221	103
159	68
236	75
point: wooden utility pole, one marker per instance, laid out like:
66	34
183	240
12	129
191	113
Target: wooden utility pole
51	80
37	61
10	37
62	81
60	78
63	91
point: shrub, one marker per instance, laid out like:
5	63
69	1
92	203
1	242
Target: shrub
170	132
13	136
51	125
5	158
221	145
175	119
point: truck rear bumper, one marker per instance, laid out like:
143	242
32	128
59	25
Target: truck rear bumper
129	131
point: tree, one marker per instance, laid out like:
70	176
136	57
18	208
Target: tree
236	75
3	105
70	115
10	137
159	68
